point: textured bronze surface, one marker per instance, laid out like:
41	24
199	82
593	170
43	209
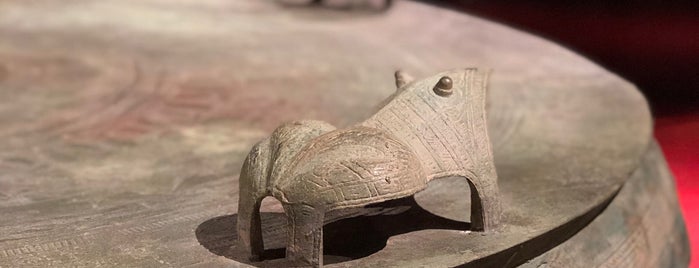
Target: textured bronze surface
641	227
124	124
421	132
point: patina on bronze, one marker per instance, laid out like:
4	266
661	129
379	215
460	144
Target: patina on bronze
124	124
429	129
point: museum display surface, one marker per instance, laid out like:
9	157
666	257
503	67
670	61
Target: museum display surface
124	126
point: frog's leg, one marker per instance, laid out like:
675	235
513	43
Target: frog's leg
305	234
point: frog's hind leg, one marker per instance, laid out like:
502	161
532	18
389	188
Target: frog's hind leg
305	234
249	222
250	226
252	189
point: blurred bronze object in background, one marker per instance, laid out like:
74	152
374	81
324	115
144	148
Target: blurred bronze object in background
378	5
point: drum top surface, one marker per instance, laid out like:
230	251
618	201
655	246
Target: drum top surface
123	126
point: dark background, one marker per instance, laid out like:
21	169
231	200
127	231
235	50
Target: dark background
653	44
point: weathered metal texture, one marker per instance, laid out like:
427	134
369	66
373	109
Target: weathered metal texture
429	129
641	227
123	126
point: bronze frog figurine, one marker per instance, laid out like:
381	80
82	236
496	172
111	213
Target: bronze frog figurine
428	129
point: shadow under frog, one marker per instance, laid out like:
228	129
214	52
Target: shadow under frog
345	239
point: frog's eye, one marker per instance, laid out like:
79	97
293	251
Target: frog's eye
402	79
443	86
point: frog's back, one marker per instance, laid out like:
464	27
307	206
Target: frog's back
350	168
